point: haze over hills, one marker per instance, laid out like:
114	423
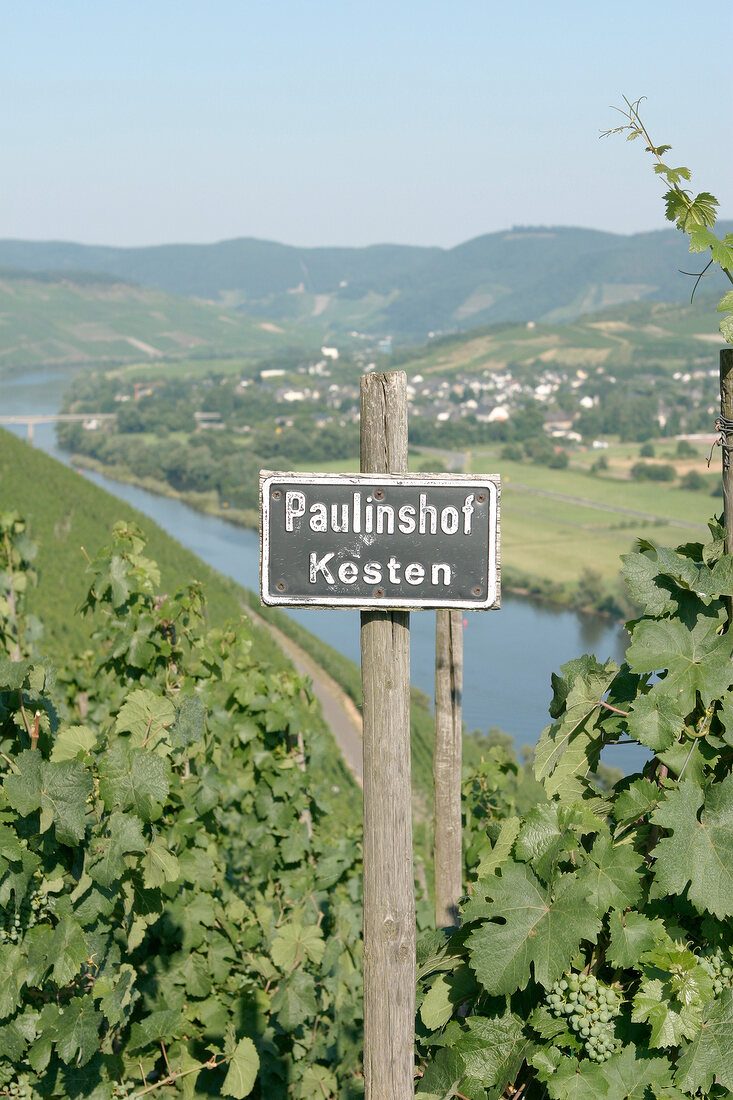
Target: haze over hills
530	273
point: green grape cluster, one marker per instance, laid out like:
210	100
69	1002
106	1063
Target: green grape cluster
590	1008
14	923
719	965
121	1091
16	1089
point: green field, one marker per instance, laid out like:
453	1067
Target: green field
97	321
557	523
545	535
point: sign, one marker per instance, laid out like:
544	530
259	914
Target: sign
379	541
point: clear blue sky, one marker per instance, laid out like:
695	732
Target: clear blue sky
338	123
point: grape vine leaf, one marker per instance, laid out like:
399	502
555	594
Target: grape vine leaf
64	791
295	942
59	790
37	945
640	573
12	978
492	858
568	748
159	864
189	724
12	1042
700	850
133	778
670	1021
613	875
244	1066
77	1030
112	578
552	831
122	834
146	717
636	800
576	1080
629	1075
655	721
482	1053
294	1000
443	1076
632	934
23	787
318	1081
68	950
553	1027
697	660
540	929
71	741
710	1054
446	992
162	1024
118	995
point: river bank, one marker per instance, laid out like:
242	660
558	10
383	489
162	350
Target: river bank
608	605
509	655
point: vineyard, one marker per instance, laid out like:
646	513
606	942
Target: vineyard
181	916
177	918
181	891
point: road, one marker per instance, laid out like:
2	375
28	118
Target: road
339	710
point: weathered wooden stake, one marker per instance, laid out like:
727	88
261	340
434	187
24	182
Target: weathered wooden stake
389	898
726	421
447	758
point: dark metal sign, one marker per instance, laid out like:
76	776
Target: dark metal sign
379	541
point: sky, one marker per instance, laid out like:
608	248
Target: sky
334	122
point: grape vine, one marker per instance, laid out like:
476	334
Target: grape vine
595	957
177	916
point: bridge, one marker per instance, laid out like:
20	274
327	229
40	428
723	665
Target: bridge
31	419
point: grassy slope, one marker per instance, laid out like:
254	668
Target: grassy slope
44	321
66	512
634	334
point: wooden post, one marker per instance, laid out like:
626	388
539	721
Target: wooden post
726	424
447	758
389	897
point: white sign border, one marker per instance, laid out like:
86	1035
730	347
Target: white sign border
490	482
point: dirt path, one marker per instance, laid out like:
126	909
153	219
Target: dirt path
339	710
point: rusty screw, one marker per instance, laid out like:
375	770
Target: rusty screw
379	494
477	590
281	586
480	498
379	592
276	494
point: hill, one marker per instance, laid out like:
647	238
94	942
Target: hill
89	318
65	512
633	337
526	273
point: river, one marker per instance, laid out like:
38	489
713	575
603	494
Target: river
509	655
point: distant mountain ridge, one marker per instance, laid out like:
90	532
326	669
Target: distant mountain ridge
526	273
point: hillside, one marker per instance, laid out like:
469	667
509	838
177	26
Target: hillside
540	274
66	512
632	336
82	318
